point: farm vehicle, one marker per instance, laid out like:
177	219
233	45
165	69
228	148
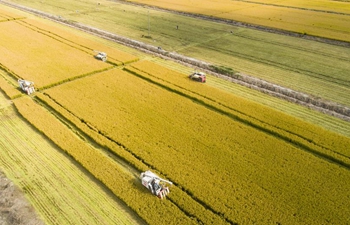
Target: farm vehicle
198	76
26	86
155	184
101	56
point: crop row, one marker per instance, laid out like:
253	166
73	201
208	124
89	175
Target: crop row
165	125
102	167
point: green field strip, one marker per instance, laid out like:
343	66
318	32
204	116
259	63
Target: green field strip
198	209
297	139
342	80
329	51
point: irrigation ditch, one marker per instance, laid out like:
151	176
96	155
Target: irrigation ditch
312	102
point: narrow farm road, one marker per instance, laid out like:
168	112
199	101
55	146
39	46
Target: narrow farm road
61	191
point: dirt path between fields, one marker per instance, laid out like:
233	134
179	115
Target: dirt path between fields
312	102
14	207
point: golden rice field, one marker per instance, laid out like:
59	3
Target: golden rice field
232	160
330	19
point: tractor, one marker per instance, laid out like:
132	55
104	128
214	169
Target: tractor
198	76
155	184
101	56
27	86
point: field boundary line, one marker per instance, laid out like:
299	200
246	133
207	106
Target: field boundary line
75	78
11	19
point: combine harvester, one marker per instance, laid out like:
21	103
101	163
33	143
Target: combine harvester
101	56
198	76
152	182
27	86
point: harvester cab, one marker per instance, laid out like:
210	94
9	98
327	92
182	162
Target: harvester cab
198	76
155	184
101	56
27	86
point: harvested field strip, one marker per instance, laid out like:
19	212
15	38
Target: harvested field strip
272	124
164	130
328	51
337	77
61	191
103	168
193	207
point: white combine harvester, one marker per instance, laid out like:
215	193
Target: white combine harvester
198	76
101	56
27	86
153	183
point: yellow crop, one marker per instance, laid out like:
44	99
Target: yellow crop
101	166
8	88
226	152
79	40
43	60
